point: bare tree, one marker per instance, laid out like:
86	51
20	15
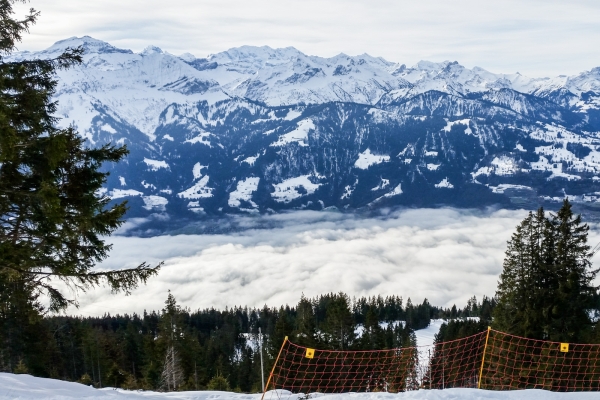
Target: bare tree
172	375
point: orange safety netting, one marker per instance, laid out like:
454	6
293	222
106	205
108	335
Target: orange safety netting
513	362
490	360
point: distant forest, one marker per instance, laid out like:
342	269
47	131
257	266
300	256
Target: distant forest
212	349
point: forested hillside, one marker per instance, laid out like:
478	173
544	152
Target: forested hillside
214	348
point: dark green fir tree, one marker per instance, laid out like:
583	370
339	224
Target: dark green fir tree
546	287
305	333
53	219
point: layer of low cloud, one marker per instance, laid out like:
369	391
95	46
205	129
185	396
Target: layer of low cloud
534	37
444	255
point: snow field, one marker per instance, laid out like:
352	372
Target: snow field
198	191
244	192
298	135
287	190
366	159
445	183
27	387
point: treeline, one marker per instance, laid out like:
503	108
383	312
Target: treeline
177	349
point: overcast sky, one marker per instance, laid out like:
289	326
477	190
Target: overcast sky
534	37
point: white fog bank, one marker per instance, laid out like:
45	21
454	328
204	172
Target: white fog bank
444	255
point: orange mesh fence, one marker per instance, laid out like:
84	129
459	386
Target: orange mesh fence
513	362
490	360
455	364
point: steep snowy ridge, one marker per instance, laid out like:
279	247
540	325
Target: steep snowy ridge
276	129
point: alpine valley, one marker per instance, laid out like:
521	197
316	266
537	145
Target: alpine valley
256	129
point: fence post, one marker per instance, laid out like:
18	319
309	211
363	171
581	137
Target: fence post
487	336
273	369
262	368
430	366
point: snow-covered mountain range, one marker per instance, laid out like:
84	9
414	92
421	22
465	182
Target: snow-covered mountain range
255	129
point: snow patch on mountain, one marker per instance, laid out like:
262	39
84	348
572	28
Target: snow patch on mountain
199	190
292	114
155	203
251	160
367	159
504	166
120	193
294	188
200	138
450	124
147	185
243	192
397	190
197	170
298	135
505	186
482	171
382	185
108	128
348	190
155	165
444	184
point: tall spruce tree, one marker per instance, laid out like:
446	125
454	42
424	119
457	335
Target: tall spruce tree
545	289
306	332
338	327
575	294
52	217
171	335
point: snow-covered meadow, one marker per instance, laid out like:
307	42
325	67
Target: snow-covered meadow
26	387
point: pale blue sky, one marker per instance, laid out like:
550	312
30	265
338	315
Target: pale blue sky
534	37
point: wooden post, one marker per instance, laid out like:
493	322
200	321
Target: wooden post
483	357
273	369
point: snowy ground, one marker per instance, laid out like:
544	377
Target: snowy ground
425	339
26	387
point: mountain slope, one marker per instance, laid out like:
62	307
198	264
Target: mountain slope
256	129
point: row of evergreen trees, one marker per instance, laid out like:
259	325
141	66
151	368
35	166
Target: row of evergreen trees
176	349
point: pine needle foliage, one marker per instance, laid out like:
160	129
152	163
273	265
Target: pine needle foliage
52	216
546	287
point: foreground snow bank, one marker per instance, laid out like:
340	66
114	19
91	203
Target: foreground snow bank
26	387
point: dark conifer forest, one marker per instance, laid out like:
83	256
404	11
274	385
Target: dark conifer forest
211	348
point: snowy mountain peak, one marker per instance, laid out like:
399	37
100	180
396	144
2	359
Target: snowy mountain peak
89	44
258	128
253	58
187	57
430	66
151	50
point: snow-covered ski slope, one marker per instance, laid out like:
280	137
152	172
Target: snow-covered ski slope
26	387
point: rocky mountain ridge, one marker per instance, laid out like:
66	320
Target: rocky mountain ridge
255	129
